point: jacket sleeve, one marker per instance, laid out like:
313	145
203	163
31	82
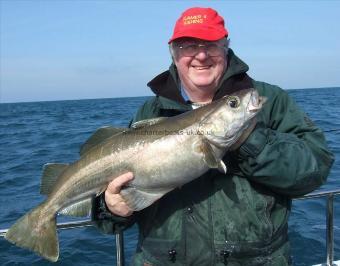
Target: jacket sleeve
286	151
107	222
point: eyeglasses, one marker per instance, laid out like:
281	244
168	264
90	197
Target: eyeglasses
192	49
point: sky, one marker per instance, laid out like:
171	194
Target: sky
85	49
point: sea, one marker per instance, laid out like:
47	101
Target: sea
35	133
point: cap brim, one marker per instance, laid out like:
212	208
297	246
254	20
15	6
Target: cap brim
206	35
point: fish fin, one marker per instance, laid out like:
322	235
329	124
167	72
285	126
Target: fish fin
79	209
99	136
51	172
36	231
222	167
148	122
137	199
210	158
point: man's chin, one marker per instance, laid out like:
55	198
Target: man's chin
204	85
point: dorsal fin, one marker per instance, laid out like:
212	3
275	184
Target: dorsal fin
148	122
98	136
51	172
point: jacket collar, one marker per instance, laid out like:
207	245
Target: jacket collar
167	84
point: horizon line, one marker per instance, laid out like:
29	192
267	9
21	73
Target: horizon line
122	97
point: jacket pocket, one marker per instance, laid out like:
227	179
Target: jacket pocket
159	252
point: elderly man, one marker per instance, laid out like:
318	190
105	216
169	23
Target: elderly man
238	218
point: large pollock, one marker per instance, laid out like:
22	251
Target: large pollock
163	153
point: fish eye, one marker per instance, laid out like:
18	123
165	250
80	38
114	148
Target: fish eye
233	102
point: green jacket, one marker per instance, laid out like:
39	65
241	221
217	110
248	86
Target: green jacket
238	218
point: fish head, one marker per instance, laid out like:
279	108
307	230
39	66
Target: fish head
233	115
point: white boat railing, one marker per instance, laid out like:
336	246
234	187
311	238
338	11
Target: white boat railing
329	220
329	227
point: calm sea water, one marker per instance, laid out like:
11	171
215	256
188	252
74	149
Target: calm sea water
32	134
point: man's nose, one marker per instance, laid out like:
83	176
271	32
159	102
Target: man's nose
202	53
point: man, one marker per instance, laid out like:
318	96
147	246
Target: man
238	218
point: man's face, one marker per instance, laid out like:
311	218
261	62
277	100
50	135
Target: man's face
200	64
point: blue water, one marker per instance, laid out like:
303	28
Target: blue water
32	134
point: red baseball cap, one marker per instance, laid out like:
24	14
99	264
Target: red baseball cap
200	23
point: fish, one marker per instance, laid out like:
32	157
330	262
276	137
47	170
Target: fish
163	153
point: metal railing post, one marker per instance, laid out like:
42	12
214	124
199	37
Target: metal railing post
329	230
329	227
120	248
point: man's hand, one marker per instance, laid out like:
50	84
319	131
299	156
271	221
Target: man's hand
244	136
114	200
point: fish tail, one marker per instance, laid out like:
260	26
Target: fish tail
36	231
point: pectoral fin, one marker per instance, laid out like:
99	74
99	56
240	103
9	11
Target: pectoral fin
210	158
137	199
222	167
